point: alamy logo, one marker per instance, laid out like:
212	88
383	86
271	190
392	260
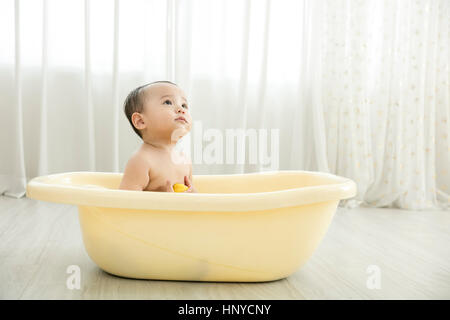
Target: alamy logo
74	280
231	146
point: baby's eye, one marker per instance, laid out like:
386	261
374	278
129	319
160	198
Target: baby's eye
185	106
168	101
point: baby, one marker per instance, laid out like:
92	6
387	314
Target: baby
159	114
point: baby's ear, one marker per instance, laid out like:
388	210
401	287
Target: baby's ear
137	120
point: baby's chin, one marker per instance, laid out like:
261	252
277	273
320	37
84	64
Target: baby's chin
179	132
182	125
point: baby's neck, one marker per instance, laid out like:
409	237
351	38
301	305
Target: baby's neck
161	145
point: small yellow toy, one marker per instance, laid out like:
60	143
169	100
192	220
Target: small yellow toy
179	187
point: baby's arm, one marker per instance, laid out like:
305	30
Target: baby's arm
188	181
135	176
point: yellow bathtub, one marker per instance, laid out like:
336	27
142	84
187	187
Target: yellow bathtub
239	227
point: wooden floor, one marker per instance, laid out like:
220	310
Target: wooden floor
39	240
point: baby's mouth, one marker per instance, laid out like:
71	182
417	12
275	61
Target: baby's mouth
181	119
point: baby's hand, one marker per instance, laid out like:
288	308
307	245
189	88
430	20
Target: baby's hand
191	188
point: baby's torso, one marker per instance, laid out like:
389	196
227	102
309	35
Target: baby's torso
163	168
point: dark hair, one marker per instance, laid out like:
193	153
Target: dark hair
134	103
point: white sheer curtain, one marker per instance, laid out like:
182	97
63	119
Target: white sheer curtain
356	88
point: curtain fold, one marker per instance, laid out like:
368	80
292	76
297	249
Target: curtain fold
43	133
356	88
88	84
13	175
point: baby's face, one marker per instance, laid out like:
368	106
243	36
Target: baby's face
166	111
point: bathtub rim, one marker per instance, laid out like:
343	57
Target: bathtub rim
40	188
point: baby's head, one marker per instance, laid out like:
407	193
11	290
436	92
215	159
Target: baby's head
154	109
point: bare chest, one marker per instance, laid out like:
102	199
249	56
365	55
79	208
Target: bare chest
164	171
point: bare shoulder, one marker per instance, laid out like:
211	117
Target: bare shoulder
136	175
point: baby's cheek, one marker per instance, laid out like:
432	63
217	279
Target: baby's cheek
189	118
167	117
